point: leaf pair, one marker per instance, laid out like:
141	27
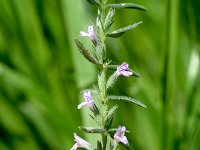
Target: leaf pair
109	18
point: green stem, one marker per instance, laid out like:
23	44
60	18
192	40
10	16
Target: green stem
104	141
102	71
115	147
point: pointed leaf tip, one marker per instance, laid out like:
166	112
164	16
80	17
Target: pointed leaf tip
126	98
121	31
127	6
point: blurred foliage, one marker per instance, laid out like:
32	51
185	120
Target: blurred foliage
42	73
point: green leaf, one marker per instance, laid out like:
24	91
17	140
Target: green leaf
111	80
102	81
121	31
92	129
100	52
126	98
109	117
126	5
114	67
109	19
93	2
90	57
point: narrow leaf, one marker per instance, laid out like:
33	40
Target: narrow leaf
112	80
126	5
90	57
92	129
110	116
114	67
121	31
93	2
113	130
109	19
126	98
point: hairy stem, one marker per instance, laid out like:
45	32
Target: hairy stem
102	71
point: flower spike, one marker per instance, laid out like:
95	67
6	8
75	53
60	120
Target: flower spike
80	143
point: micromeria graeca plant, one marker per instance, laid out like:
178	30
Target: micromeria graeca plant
103	115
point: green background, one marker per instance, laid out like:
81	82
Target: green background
42	73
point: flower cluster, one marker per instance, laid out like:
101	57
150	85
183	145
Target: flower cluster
102	114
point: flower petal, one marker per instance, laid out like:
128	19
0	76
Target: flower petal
74	147
119	135
81	142
87	96
126	73
124	140
81	105
84	34
90	30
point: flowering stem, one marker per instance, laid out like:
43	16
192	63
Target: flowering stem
102	71
102	115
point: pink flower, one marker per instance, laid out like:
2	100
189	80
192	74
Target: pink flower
88	101
90	34
119	135
121	70
80	143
